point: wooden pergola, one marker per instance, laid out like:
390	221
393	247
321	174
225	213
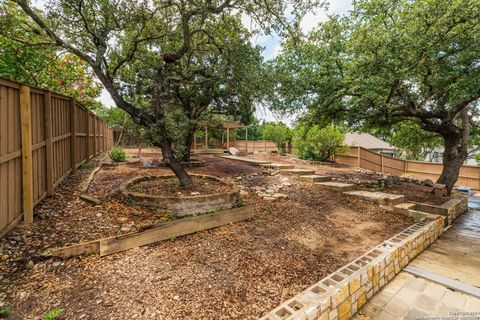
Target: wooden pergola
227	126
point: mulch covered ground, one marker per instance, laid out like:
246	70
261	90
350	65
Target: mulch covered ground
238	271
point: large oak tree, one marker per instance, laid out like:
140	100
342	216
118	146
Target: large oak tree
113	35
391	61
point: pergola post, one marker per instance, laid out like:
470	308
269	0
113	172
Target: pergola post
228	138
194	142
246	139
206	137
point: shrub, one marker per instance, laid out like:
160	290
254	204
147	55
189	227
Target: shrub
54	314
278	133
4	312
117	155
316	143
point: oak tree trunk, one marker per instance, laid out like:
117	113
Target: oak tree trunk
452	162
456	152
174	164
188	145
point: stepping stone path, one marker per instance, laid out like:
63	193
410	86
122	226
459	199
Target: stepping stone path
298	172
381	198
315	178
276	166
337	186
307	175
274	196
253	162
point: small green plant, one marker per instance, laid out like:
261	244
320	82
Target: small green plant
4	312
54	314
88	165
129	201
117	155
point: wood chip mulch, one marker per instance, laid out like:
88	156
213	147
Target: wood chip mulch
238	271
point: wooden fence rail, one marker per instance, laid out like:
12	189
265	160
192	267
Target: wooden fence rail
44	137
366	159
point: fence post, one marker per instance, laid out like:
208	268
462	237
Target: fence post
27	165
358	156
48	140
94	136
405	165
381	159
73	127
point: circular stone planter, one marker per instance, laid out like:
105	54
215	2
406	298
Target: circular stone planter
193	163
186	164
183	205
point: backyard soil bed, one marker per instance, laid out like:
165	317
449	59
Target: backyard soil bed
416	193
412	190
238	271
170	186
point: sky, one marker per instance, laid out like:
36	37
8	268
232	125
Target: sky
271	48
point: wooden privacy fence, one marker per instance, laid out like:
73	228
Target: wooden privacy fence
366	159
252	146
44	136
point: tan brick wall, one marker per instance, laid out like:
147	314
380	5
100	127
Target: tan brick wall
342	293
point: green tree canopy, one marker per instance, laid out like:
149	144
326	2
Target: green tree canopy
118	37
278	133
313	142
388	62
28	56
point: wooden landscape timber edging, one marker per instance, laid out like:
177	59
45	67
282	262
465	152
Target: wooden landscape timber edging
44	136
164	231
84	192
363	158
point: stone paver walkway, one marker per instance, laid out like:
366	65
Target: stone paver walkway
454	256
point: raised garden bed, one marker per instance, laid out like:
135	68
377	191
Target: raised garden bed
164	231
156	191
153	163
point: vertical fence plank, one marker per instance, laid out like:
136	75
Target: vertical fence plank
27	166
94	135
48	141
73	126
87	135
358	156
381	159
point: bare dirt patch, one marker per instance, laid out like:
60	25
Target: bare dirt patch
239	271
412	190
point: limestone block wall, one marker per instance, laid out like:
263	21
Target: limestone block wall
339	295
455	207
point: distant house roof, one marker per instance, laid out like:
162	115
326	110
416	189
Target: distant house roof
367	141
